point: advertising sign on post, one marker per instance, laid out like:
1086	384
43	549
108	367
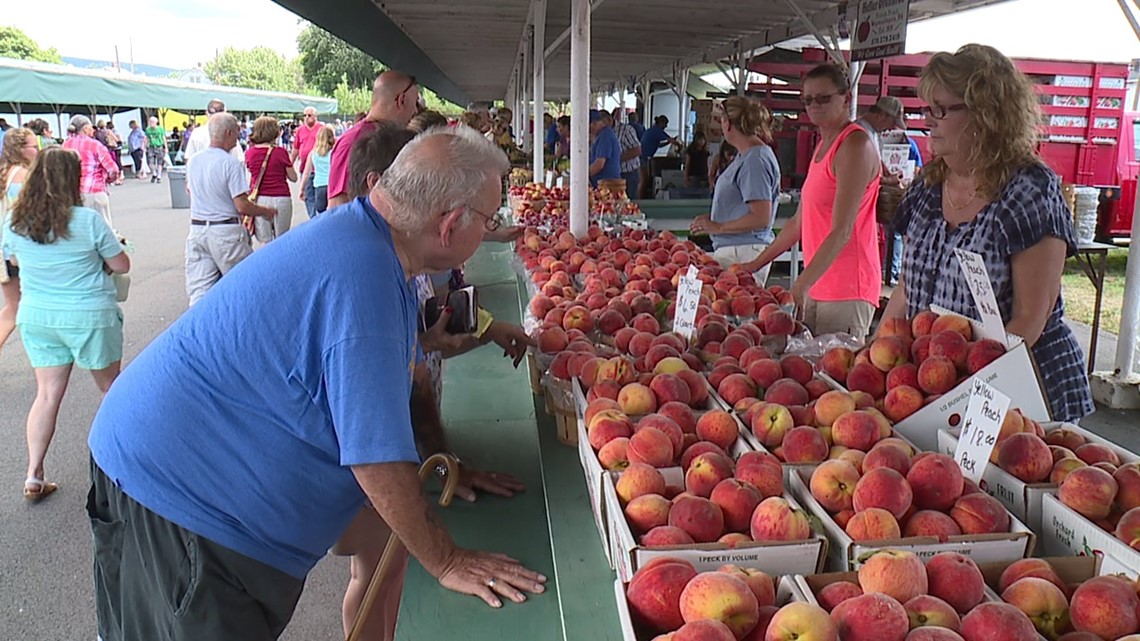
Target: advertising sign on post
880	29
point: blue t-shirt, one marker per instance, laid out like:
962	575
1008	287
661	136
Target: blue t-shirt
653	139
240	422
639	128
607	146
915	154
752	175
552	136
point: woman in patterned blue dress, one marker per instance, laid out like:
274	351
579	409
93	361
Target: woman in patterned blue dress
987	191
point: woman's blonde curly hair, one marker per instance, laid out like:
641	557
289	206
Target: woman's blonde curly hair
1002	108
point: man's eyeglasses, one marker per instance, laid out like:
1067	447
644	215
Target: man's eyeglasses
939	112
819	99
491	222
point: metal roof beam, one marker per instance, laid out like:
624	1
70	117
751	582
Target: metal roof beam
562	37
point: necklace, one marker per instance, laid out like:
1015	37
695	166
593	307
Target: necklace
950	199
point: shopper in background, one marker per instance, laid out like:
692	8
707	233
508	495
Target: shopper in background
115	146
725	154
68	315
199	138
550	133
840	286
635	122
744	203
17	152
426	120
605	150
136	143
43	132
270	172
562	146
652	140
697	161
630	155
155	149
97	167
316	170
306	139
988	191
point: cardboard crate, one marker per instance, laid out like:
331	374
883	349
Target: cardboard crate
1064	532
786	592
714	402
844	553
1021	498
1009	374
791	557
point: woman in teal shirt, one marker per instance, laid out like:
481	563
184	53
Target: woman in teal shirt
16	155
68	315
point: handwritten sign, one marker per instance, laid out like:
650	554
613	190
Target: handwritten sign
982	289
985	412
688	297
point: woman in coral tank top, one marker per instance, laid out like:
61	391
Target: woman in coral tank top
839	288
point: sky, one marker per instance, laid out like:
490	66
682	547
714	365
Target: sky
181	34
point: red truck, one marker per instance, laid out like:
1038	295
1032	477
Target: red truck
1087	137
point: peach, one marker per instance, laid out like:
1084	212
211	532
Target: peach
1089	491
802	621
833	594
980	514
736	343
645	323
698	387
831	405
1093	453
1064	467
651	447
951	345
1026	457
901	402
905	374
1128	528
931	523
1106	466
955	579
734	539
614	455
668	388
552	340
936	481
982	353
666	536
1105	606
737	500
1023	568
666	426
604	389
796	368
654	594
647	512
833	484
883	488
597	405
753	354
705	630
865	377
766	476
937	375
622	338
1065	437
922	322
761	584
771	423
872	524
579	318
764	372
671	365
896	573
888	352
1060	453
776	520
886	456
779	323
787	392
920	349
696	449
637	480
995	621
953	323
706	471
617	369
699	517
804	445
681	414
925	610
837	363
719	427
658	353
817	387
843	517
857	430
605	429
1044	603
640	343
871	617
735	387
895	326
1127	479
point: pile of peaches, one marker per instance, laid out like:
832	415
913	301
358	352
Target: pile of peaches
912	363
891	492
1111	501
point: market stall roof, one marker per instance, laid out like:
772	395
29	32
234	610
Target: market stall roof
37	85
467	50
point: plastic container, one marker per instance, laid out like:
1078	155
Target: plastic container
179	197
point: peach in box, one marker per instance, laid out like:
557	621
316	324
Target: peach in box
833	484
925	610
787	392
654	593
639	479
696	449
647	512
831	405
883	488
762	585
901	402
764	372
665	536
896	573
1044	603
796	368
871	617
837	363
700	518
776	520
1127	479
805	445
931	523
763	471
737	500
833	594
666	426
604	429
1026	457
719	427
1105	606
929	633
651	447
997	622
802	621
865	377
698	388
888	352
881	455
770	423
705	472
857	430
980	514
1089	491
614	455
872	524
955	579
936	481
937	375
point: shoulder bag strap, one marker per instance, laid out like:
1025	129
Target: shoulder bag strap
261	174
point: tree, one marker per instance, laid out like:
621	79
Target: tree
256	68
351	100
327	61
16	44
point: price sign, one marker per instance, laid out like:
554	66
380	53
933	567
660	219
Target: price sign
978	279
688	297
549	178
985	412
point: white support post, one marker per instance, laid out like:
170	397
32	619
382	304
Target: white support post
855	75
523	135
621	103
1130	309
742	61
580	121
538	11
646	109
682	105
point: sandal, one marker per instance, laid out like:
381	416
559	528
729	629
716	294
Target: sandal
37	489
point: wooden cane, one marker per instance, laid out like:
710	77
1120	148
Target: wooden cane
450	483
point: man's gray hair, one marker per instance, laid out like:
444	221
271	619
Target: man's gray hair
441	169
221	124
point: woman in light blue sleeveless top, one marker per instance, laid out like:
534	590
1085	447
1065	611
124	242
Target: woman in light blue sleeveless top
317	163
16	156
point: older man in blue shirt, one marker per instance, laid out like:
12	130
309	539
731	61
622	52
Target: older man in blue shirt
605	149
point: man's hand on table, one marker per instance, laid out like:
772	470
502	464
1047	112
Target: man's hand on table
490	576
498	483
